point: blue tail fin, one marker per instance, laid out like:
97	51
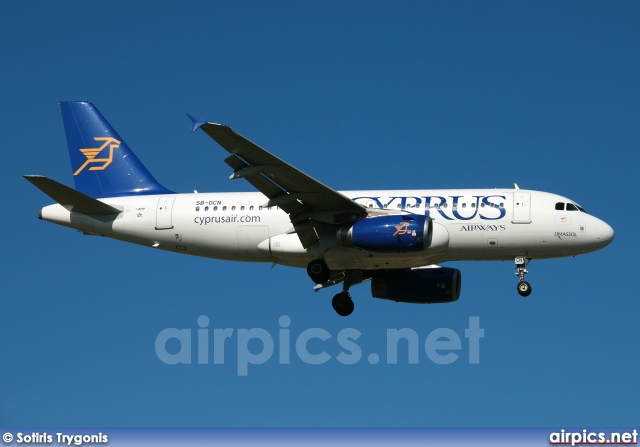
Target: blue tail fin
101	162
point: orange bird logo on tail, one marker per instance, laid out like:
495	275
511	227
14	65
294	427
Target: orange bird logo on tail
92	152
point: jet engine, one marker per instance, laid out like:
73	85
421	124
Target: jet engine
423	285
398	232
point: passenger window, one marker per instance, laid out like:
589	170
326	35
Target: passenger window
197	208
571	207
224	208
473	205
560	206
215	208
464	205
206	208
233	208
251	207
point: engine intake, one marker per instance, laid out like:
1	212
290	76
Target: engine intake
425	285
399	232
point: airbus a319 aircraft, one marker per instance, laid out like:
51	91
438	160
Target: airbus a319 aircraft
394	239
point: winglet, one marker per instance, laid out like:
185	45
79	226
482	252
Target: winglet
196	123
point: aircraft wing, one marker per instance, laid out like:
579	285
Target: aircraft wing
308	202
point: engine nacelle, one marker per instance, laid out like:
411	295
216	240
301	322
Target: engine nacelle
398	232
425	285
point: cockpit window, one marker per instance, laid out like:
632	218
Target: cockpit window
571	207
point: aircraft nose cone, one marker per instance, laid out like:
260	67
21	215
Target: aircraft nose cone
605	233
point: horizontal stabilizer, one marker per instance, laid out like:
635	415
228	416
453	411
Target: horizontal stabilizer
70	198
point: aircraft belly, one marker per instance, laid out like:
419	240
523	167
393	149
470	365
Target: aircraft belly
347	258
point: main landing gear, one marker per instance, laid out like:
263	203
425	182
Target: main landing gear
319	273
342	302
524	288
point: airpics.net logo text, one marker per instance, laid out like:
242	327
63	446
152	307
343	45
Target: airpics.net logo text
206	345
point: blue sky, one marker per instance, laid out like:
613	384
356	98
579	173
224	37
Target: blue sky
360	95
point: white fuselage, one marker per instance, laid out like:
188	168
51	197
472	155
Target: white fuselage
486	224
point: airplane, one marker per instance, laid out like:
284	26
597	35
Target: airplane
397	240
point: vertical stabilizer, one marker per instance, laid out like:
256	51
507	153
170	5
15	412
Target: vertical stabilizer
101	162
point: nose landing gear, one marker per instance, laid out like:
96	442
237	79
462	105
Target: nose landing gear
524	288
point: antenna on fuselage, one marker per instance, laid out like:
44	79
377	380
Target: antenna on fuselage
515	185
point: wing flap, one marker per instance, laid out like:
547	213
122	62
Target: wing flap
261	183
338	277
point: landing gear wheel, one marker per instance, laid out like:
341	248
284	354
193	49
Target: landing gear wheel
318	271
343	304
524	288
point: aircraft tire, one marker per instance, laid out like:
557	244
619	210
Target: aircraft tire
343	304
318	271
524	288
